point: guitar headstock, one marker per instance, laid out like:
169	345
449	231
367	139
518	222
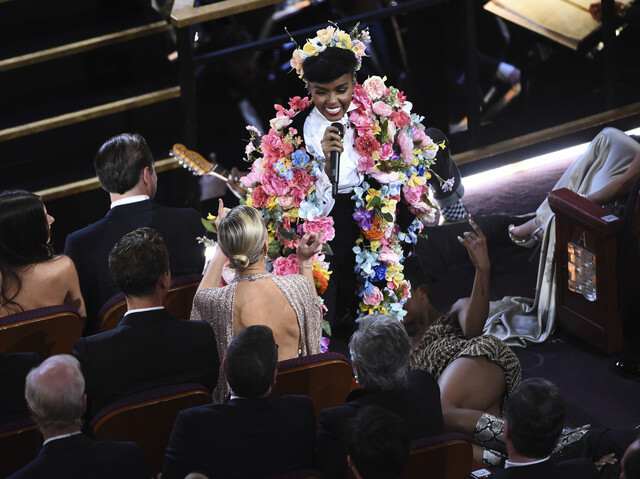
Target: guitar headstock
192	160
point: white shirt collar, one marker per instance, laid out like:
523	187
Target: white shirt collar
508	463
141	310
129	200
61	436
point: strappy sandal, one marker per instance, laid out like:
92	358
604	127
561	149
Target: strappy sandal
529	242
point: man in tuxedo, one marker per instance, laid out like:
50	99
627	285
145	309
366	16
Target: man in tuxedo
149	347
252	435
380	352
533	423
125	168
56	399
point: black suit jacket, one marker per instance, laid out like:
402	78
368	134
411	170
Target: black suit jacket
14	368
80	457
575	468
147	349
243	438
89	247
419	407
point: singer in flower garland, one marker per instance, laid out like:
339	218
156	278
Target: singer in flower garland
386	157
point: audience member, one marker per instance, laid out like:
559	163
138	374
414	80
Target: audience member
125	168
149	347
56	399
533	424
14	368
287	304
378	444
631	461
252	435
30	275
380	351
475	371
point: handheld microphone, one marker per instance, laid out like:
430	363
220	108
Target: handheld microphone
335	161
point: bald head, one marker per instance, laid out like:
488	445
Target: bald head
55	395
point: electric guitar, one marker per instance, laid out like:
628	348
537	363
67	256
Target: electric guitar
199	166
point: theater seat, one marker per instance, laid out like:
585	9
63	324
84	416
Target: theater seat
20	441
178	302
297	474
45	331
326	378
147	418
445	456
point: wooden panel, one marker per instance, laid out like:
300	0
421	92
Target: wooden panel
89	184
546	134
83	45
189	16
90	113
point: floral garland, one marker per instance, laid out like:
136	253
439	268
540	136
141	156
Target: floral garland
282	187
395	158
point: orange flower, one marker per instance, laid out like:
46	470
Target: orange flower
321	281
376	232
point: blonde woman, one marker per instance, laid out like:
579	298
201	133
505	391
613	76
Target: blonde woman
287	304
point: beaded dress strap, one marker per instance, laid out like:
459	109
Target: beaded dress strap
251	277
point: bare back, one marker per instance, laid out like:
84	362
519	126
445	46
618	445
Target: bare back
255	303
49	283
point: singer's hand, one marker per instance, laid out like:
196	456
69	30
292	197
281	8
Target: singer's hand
332	141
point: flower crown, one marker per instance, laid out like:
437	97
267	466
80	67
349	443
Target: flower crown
332	36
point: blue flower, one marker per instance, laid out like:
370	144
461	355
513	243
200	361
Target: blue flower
300	159
381	272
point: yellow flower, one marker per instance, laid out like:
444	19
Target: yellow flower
415	180
371	193
292	213
272	203
389	206
394	273
345	40
375	155
375	245
249	200
310	49
210	217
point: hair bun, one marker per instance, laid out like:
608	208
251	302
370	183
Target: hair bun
240	261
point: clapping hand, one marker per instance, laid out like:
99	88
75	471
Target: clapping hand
476	245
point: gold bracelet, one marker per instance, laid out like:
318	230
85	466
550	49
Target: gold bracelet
305	267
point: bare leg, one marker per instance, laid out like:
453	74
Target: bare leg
469	387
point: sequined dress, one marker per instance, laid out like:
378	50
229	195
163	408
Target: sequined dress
215	305
444	342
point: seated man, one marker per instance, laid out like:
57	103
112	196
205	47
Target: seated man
56	399
533	423
380	352
149	347
378	444
252	435
125	168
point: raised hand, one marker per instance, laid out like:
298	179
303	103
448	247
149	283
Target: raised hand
332	141
310	244
476	245
222	212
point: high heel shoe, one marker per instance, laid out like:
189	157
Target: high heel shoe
529	242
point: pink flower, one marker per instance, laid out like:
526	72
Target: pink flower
298	104
413	194
251	178
286	202
275	185
405	142
423	209
386	151
300	183
283	266
385	176
296	61
361	98
375	87
382	109
420	138
374	298
278	123
366	164
322	224
358	49
406	291
259	197
400	118
362	122
387	256
367	144
391	130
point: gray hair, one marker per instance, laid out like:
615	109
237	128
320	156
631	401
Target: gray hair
380	350
54	392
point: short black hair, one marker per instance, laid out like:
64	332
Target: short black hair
330	64
138	260
415	273
252	358
535	413
378	443
120	160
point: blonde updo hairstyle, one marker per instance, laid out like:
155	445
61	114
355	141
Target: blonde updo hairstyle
242	235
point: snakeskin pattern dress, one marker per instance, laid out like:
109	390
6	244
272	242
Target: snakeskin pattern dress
444	342
215	305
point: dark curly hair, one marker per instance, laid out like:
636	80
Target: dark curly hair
330	64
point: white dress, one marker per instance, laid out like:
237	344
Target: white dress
519	321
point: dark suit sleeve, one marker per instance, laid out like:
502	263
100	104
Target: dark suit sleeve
331	452
582	468
179	458
82	355
135	466
212	366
